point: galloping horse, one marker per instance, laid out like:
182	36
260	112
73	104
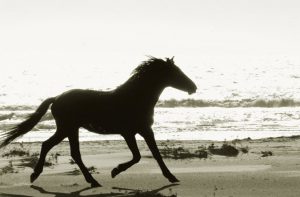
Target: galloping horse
126	110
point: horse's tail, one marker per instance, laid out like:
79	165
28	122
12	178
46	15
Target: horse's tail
27	125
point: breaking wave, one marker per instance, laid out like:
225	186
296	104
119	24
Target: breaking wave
12	110
17	107
229	103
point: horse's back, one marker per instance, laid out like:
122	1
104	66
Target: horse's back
78	103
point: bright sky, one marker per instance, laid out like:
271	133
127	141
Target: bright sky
91	32
117	34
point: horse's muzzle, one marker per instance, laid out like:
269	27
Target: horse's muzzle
192	90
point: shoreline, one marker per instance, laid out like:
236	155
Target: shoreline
247	174
294	137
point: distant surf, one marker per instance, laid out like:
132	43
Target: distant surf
230	103
172	103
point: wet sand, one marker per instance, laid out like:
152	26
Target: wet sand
248	174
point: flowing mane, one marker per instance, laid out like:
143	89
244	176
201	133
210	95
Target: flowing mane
152	67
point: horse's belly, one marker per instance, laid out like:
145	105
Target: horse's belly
119	124
98	129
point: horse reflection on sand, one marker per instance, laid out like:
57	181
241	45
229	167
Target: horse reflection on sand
126	110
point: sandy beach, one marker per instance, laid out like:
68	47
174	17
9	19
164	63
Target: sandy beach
247	174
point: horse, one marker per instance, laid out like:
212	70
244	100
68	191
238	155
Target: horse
126	110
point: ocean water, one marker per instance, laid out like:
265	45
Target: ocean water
235	99
188	123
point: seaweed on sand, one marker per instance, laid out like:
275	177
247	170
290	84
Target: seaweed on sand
16	152
225	150
182	153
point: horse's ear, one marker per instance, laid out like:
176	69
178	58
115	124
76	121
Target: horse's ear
170	60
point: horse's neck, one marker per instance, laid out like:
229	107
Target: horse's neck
150	95
143	94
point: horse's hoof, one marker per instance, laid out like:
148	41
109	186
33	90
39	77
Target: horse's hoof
96	184
33	177
115	172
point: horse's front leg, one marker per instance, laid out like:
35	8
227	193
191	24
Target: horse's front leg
131	142
148	135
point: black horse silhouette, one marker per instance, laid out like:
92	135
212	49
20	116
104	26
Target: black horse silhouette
126	110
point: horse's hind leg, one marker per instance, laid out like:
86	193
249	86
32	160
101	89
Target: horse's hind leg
46	147
75	153
131	142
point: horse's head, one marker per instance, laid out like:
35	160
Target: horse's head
177	79
163	73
